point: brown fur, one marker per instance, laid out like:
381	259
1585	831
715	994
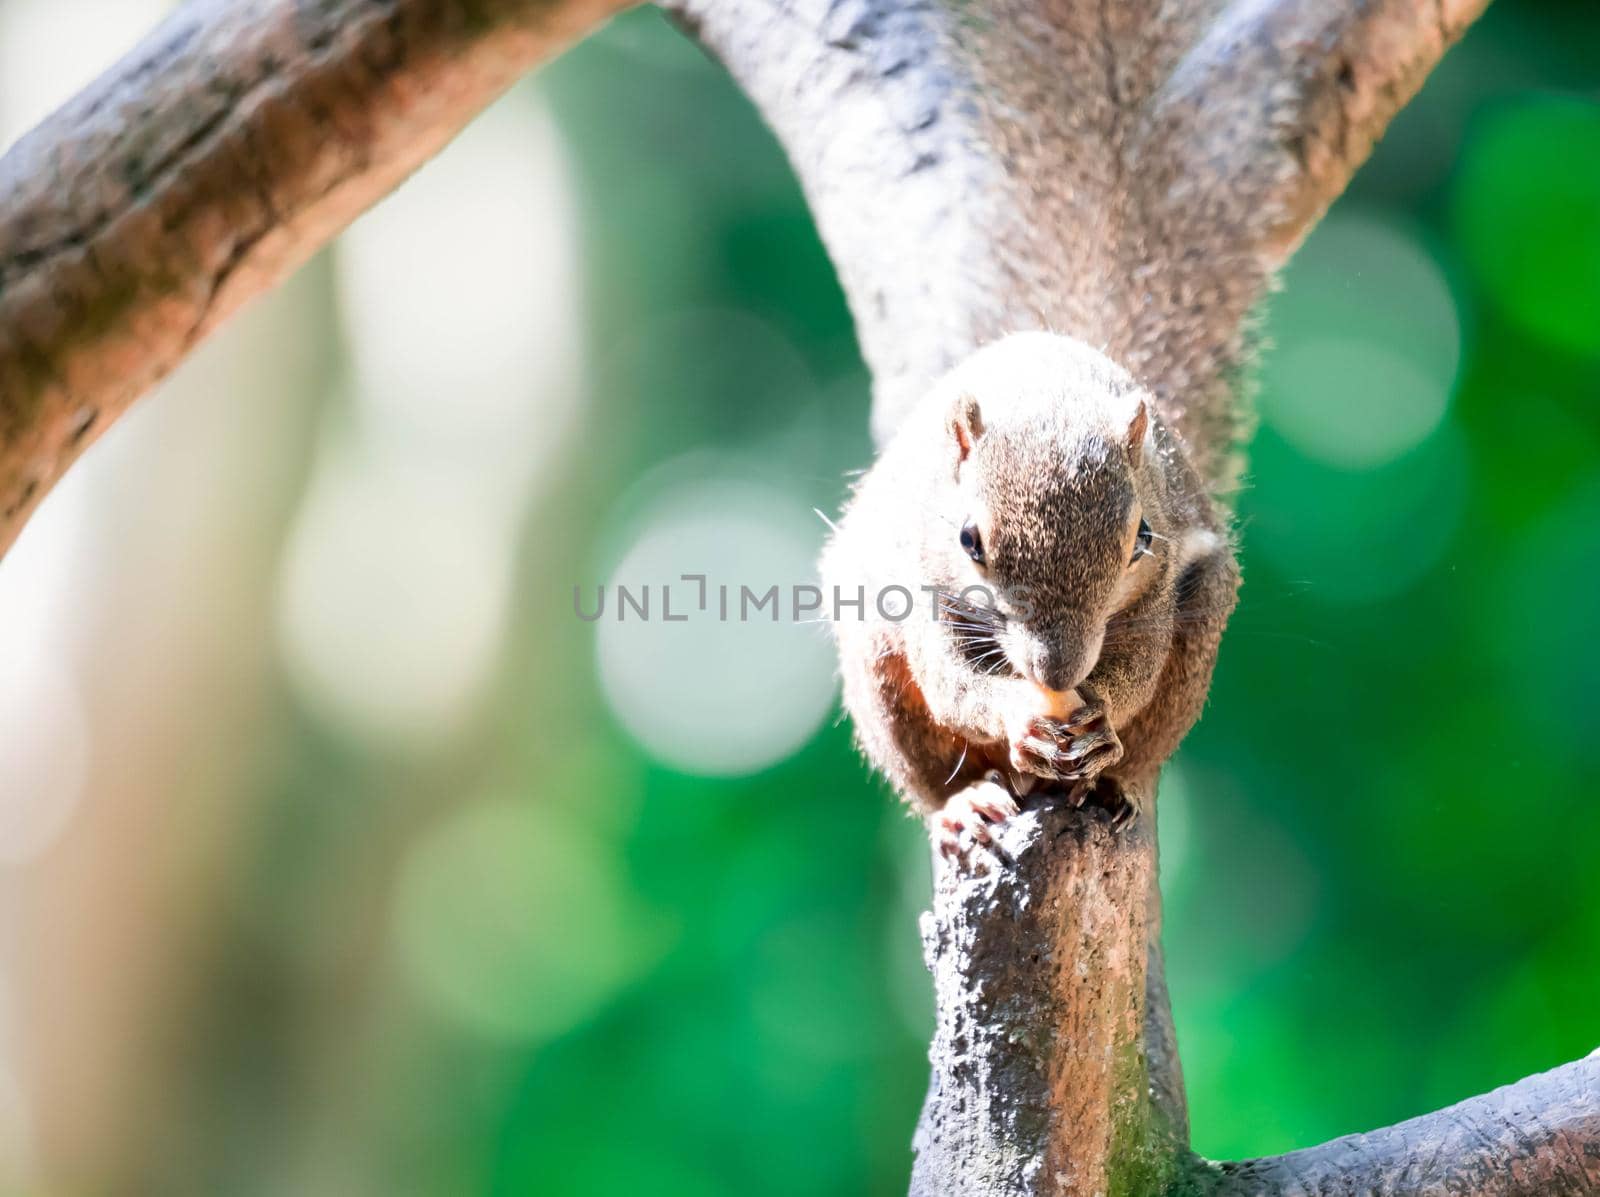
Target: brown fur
1053	453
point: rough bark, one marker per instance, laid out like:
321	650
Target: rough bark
235	141
1127	171
1042	1082
1039	978
1540	1136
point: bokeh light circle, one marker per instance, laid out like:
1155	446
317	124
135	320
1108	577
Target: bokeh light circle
46	736
393	599
712	694
1527	211
461	295
1354	403
44	753
1366	346
1356	536
515	922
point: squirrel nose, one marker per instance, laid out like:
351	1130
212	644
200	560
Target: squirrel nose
1057	677
1056	666
1051	668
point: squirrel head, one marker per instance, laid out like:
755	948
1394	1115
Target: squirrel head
1054	493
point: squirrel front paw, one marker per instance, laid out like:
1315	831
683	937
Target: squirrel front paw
967	816
1078	748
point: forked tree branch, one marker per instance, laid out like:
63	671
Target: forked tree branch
1040	1084
1127	171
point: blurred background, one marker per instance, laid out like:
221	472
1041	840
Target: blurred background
337	856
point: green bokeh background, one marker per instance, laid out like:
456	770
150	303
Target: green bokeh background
1382	884
1380	845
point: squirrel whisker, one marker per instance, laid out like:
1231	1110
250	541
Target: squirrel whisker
962	761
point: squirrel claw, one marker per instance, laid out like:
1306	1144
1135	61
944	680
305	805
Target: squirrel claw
1082	745
1050	748
1088	718
1107	795
1036	751
1122	811
966	818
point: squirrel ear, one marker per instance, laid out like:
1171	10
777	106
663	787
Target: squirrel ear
966	426
1136	433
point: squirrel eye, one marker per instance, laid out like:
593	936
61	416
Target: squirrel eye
972	542
1141	542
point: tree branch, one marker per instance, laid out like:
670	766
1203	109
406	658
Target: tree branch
1030	1041
1129	171
1263	122
212	160
1537	1138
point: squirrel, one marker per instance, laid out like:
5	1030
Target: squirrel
1074	578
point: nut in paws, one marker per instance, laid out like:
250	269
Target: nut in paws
1078	748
